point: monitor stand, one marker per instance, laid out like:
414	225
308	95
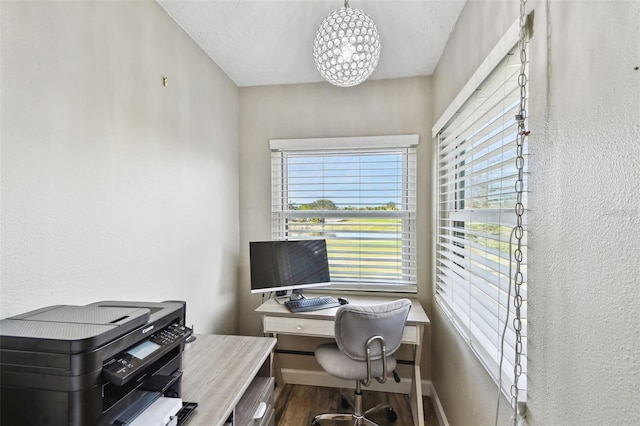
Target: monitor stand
284	295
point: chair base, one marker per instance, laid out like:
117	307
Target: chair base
356	417
357	421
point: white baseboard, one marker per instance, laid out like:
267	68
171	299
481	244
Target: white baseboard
321	378
437	405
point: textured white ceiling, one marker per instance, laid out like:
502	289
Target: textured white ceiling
265	42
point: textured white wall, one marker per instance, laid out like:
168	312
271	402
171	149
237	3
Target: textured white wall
113	186
584	351
584	222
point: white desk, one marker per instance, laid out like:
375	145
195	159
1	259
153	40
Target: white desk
276	319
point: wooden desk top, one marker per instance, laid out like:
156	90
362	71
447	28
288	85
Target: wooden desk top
417	315
217	370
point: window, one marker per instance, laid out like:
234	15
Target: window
476	198
357	193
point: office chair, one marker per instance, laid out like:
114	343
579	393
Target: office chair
366	336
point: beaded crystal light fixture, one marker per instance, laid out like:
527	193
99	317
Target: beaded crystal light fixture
347	47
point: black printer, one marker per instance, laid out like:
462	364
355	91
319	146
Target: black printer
99	364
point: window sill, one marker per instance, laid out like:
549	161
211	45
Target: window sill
366	288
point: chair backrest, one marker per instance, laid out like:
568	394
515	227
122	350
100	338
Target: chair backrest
355	324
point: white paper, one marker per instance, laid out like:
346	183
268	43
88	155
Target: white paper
160	413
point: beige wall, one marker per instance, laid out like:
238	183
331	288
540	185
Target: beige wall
112	185
584	233
382	107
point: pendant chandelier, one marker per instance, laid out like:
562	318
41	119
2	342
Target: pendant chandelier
347	47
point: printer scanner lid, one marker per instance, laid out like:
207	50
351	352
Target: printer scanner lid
68	328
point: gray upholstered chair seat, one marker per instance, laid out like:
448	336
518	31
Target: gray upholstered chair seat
336	363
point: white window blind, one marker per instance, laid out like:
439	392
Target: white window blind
357	193
476	173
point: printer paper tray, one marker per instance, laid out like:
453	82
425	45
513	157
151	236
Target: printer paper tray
187	409
160	411
159	382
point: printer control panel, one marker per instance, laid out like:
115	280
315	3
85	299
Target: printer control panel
119	369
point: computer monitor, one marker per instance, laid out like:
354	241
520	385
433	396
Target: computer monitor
288	265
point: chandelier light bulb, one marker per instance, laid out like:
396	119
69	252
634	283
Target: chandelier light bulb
347	47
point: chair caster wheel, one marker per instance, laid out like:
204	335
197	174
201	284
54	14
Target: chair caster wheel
345	404
391	415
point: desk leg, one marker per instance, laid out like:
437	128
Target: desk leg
417	407
277	371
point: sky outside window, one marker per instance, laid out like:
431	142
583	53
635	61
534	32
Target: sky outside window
352	180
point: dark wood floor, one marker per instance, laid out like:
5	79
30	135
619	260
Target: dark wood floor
296	405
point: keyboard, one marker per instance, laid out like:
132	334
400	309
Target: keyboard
312	304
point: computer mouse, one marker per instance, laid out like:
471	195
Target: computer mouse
343	301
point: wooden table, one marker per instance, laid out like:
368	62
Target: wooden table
277	319
219	370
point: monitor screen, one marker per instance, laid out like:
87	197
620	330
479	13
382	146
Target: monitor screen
285	265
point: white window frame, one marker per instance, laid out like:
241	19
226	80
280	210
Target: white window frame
473	332
405	144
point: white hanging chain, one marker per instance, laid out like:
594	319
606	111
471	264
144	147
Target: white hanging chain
518	277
